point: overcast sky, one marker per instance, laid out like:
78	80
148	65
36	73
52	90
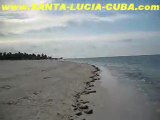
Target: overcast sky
81	34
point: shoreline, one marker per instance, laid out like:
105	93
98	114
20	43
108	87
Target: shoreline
117	99
66	90
81	104
39	90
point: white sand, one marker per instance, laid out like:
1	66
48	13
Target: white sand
40	90
55	90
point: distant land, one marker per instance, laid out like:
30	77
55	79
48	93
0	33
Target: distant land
24	56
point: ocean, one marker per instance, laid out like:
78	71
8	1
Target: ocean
143	72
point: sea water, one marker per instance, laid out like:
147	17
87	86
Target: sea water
143	71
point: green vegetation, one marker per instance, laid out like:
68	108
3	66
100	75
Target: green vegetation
22	56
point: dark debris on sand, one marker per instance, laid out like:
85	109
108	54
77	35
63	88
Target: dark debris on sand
81	106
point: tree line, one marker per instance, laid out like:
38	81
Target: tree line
22	56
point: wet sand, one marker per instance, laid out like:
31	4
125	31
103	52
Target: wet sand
120	100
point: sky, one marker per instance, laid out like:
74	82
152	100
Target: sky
72	34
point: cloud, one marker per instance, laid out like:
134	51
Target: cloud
88	46
112	38
29	21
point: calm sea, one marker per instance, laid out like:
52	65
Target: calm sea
142	71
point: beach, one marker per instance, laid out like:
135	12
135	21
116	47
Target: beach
46	90
81	89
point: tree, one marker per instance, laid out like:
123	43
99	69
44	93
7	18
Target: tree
22	56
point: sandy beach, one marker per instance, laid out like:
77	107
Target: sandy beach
46	90
64	90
